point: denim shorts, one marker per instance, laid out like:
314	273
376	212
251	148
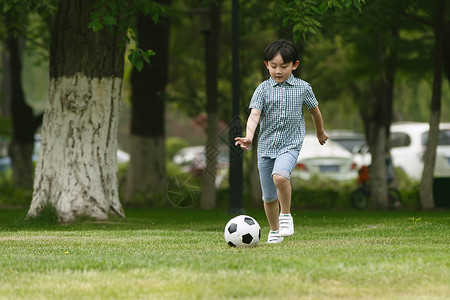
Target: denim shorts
282	165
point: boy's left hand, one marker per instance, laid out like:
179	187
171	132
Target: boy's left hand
322	137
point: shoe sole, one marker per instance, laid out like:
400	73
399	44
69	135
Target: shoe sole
286	234
280	239
276	242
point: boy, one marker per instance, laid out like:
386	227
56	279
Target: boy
278	103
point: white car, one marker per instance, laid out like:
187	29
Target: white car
193	160
122	156
185	157
408	145
331	161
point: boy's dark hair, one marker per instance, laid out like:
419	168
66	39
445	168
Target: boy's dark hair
286	49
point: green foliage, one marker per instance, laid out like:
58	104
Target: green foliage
304	14
119	16
138	57
188	92
17	12
113	13
31	20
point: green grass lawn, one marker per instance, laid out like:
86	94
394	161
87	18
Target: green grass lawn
181	254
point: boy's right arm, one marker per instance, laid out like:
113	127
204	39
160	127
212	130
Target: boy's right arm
252	123
322	136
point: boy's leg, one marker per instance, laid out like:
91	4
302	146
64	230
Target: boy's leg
284	192
270	198
286	223
272	213
283	167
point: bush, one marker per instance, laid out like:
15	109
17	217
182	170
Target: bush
320	198
322	193
10	195
47	217
174	144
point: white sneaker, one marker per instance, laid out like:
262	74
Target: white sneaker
274	237
286	225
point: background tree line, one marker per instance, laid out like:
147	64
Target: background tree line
371	57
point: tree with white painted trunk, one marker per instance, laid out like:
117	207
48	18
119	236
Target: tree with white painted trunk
146	175
76	172
438	24
208	196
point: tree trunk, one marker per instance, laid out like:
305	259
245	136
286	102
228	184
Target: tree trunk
378	120
446	51
76	172
376	140
253	175
426	185
147	170
146	177
378	172
208	197
23	122
6	85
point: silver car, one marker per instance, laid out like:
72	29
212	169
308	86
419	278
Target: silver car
331	161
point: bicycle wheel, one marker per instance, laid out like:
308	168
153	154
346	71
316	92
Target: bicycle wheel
359	199
394	199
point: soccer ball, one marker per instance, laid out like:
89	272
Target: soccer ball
242	231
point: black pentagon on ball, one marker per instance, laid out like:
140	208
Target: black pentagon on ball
259	235
247	238
249	221
232	228
231	244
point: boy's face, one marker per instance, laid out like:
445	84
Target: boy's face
279	70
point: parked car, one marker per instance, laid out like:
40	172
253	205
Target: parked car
362	156
185	156
193	160
408	145
122	157
350	140
408	141
330	160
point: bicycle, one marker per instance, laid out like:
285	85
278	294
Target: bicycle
360	197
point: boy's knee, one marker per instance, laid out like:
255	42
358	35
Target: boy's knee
279	180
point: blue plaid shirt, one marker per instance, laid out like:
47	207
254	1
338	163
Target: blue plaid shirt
282	126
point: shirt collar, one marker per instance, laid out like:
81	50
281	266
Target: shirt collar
290	81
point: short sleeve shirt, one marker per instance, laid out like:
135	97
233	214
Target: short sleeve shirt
282	125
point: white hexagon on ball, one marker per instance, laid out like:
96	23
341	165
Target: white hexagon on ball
242	231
